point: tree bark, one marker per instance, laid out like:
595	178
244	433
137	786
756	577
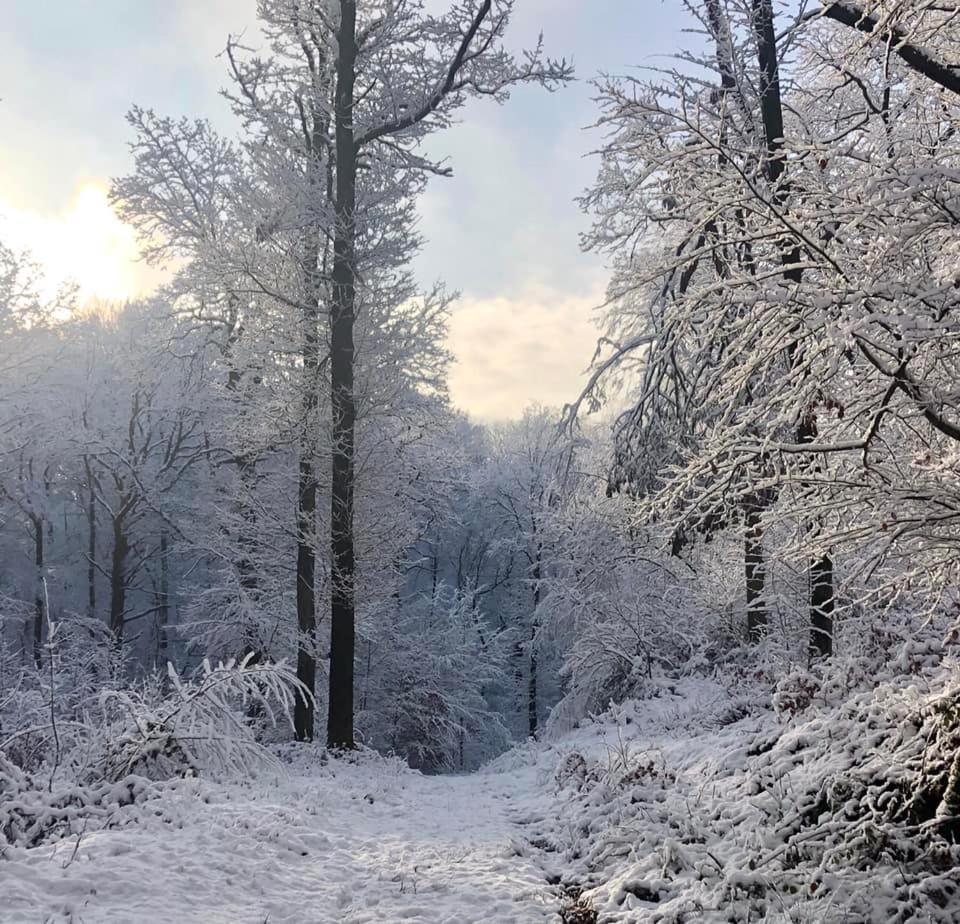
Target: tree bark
821	607
163	610
771	107
304	710
755	573
246	541
343	410
39	595
532	702
118	582
306	596
532	709
247	469
91	542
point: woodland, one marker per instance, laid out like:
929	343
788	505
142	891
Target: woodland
697	624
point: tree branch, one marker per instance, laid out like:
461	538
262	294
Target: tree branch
848	13
449	84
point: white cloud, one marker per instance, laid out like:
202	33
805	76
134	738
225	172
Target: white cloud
514	351
83	243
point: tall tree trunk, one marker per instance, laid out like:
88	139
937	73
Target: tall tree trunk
771	105
39	591
532	703
343	410
306	596
163	611
304	710
821	607
755	572
304	717
520	665
118	581
532	687
247	469
753	561
246	569
91	542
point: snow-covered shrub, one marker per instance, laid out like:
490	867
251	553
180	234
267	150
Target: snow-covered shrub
51	707
199	727
15	616
35	810
431	664
844	807
23	723
571	772
794	692
640	624
66	772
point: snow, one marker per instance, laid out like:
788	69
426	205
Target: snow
363	841
695	803
686	808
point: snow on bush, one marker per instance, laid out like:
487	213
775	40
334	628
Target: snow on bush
80	770
424	699
841	805
200	726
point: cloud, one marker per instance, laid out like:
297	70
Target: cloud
504	230
515	351
84	243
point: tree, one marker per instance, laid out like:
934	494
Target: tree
905	26
326	178
415	72
663	138
763	374
31	451
137	435
531	459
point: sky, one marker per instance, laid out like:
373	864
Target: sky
503	231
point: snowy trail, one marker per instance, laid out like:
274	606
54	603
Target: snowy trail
356	844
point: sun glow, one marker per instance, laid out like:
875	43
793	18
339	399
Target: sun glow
86	245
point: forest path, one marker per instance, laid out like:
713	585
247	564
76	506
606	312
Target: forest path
352	843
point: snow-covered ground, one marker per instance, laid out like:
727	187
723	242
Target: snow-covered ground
696	803
356	840
703	805
365	841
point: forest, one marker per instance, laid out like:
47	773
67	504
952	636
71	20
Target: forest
286	636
